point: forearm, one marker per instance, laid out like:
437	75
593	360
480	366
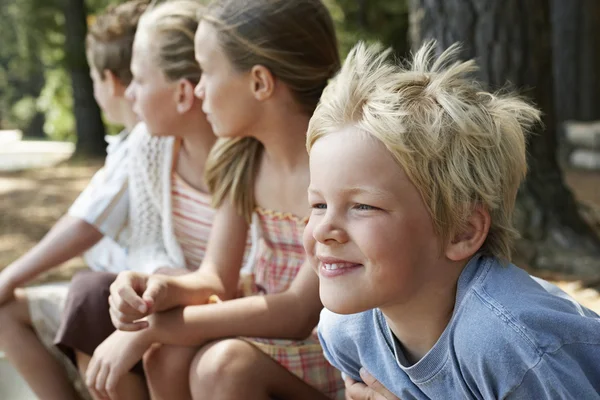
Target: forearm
68	238
281	316
195	288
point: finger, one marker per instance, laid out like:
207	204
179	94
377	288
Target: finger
360	391
153	294
125	295
101	380
125	309
349	382
90	377
374	384
126	326
121	317
111	385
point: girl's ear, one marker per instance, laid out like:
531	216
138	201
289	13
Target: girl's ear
184	96
115	86
262	82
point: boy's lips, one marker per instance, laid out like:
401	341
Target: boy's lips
331	267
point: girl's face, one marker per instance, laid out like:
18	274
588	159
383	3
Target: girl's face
227	95
153	96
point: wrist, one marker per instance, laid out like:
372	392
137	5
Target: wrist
152	333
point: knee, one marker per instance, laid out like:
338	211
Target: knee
92	284
163	361
89	291
221	364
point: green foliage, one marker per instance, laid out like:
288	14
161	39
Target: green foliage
32	65
371	20
56	101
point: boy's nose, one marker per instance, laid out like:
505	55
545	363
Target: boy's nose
328	232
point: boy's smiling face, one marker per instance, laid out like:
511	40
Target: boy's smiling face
370	237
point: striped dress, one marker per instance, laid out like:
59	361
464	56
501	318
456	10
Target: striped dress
192	220
278	258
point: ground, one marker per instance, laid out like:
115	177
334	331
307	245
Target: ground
32	201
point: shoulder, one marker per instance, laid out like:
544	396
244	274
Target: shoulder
509	323
534	309
141	136
148	152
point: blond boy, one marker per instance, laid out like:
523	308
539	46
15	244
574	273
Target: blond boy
414	176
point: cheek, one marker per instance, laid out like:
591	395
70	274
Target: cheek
309	240
99	94
150	101
380	239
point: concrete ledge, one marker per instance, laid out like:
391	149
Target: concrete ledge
19	155
10	136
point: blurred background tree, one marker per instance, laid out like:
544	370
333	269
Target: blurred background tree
42	58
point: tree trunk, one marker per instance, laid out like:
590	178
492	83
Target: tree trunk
88	121
576	44
512	42
35	85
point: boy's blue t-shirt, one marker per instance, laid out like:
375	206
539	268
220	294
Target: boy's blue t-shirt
510	336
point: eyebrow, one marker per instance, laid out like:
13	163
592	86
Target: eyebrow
358	190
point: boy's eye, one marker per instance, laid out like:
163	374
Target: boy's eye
365	207
319	206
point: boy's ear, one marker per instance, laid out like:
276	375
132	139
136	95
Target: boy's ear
463	245
115	86
262	82
184	96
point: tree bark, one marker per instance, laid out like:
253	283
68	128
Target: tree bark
88	121
512	42
576	44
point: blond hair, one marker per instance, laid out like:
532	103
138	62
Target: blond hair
461	146
109	40
172	26
295	40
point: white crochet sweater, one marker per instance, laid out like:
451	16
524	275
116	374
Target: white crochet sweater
152	243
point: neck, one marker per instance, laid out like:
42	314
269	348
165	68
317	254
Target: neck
419	323
196	139
284	140
129	118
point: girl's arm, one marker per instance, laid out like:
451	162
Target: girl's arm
292	314
220	269
134	295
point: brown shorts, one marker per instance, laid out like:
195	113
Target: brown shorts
86	320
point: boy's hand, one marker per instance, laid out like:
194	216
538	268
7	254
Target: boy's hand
370	390
112	360
134	296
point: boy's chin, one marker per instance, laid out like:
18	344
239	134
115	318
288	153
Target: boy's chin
341	303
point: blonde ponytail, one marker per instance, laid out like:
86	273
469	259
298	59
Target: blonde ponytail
230	172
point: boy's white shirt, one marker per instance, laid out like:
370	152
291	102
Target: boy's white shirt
104	203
